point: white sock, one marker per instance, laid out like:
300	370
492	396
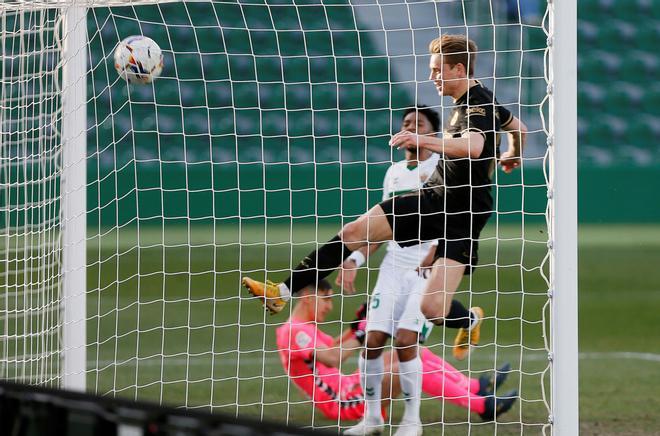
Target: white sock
410	378
285	293
372	373
474	320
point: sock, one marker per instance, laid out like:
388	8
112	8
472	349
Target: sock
372	373
458	316
474	320
317	265
285	293
442	383
410	378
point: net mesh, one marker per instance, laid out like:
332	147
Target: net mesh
30	197
266	132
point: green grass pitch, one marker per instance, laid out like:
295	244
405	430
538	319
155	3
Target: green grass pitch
171	297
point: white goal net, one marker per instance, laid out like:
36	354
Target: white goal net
129	213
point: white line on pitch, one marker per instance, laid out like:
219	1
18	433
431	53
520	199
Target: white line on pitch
628	355
224	361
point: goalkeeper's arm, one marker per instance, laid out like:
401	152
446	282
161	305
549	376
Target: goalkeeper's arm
346	344
334	356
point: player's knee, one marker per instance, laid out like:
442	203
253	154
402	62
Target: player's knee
433	313
352	232
373	352
375	344
406	339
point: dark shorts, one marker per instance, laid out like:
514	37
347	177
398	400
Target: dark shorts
420	217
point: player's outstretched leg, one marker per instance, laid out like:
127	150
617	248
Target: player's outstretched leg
434	366
468	336
370	227
443	381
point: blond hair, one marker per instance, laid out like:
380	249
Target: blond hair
456	49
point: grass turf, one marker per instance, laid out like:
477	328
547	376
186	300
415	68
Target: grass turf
171	298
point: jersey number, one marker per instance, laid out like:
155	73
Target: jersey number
375	301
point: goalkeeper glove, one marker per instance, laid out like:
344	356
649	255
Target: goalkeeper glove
360	332
359	324
360	314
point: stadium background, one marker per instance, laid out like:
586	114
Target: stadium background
249	149
207	151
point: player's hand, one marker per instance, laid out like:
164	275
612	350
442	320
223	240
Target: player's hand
406	139
424	268
509	161
423	271
426	265
346	276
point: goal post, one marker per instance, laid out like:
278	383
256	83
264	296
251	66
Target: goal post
74	197
562	196
121	256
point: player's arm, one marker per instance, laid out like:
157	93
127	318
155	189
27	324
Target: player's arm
345	344
303	346
359	256
349	268
470	144
517	136
335	355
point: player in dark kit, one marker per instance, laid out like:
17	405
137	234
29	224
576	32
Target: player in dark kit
452	207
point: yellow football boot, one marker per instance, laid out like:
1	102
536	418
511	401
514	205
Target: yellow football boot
466	337
268	292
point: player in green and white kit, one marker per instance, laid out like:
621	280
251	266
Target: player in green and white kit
394	309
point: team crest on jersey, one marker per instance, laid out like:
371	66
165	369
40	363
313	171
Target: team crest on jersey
476	111
423	177
303	339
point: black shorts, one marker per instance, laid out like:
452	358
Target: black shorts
420	216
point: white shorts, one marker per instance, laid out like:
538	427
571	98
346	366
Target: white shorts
395	303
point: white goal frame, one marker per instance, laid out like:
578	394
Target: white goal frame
74	199
562	200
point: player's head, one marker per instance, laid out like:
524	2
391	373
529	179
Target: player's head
316	301
421	120
452	63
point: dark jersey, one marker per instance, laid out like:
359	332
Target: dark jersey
465	183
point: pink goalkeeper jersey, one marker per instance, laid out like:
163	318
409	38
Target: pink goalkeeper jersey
296	341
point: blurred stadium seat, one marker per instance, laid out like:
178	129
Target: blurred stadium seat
619	73
272	66
296	71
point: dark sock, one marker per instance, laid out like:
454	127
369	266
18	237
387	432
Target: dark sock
458	316
318	264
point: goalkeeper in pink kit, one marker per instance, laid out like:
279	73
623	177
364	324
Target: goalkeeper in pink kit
313	359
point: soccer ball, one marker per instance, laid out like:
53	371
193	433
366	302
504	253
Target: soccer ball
138	59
